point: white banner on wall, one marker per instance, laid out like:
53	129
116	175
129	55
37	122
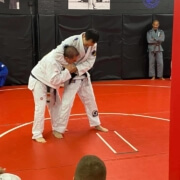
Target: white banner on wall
89	4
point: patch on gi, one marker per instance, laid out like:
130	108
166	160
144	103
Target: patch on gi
95	113
2	65
41	98
76	39
94	53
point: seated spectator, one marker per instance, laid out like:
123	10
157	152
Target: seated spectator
7	176
90	167
3	74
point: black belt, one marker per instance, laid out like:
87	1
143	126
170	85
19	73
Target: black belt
155	45
34	76
74	80
73	75
48	94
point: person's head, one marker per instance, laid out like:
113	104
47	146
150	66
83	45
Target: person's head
90	37
70	54
155	24
90	167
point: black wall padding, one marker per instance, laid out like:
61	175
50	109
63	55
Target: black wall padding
135	57
122	49
166	24
46	34
116	7
109	50
71	25
16	47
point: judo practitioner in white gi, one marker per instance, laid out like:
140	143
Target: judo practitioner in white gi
154	38
85	43
44	82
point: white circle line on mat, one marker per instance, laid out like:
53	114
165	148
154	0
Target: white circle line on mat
121	114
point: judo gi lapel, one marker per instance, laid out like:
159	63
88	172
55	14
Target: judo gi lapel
158	33
154	34
86	54
83	55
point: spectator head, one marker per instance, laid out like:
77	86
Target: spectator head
155	24
90	167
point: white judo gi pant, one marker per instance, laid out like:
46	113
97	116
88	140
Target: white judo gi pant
40	97
83	88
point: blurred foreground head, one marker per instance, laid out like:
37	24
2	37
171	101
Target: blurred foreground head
90	167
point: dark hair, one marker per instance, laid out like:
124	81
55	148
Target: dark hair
90	167
92	34
70	51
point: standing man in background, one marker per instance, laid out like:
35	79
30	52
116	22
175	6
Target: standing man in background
154	38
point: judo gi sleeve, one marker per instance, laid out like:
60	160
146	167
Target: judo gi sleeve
56	77
161	36
150	38
85	66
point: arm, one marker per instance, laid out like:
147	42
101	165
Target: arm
56	76
161	36
150	39
84	66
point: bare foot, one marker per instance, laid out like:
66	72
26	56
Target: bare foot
153	78
162	78
66	130
100	128
57	134
41	140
